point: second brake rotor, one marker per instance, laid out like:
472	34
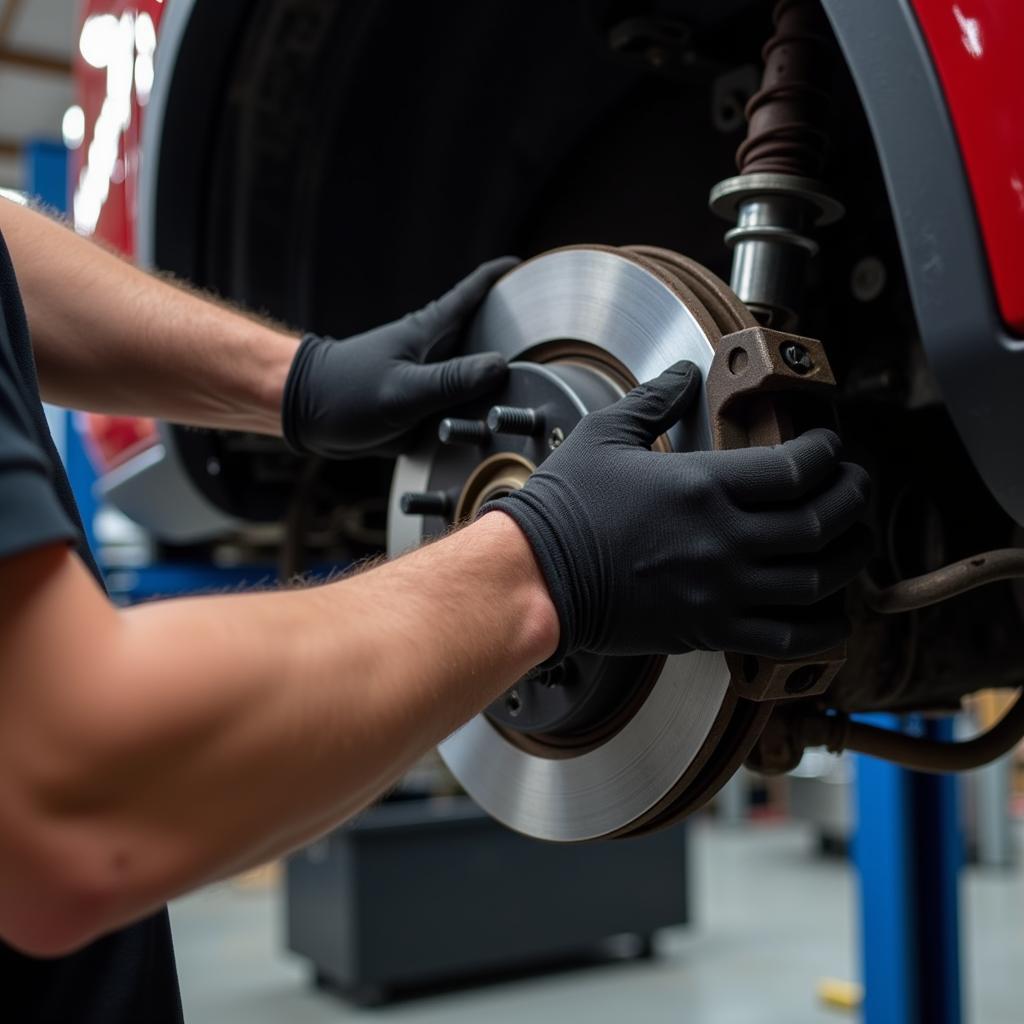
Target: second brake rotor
600	746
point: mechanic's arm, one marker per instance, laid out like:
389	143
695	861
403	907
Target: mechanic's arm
155	749
110	338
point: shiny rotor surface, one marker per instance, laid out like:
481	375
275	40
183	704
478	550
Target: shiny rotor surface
615	303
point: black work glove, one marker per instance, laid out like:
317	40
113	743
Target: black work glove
659	553
367	394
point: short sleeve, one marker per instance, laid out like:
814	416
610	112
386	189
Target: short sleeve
31	514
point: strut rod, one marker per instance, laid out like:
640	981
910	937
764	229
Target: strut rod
949	581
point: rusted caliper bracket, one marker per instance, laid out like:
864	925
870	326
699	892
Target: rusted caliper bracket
753	373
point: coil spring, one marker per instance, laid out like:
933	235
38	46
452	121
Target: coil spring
786	117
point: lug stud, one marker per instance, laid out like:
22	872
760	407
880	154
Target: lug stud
456	431
508	419
427	503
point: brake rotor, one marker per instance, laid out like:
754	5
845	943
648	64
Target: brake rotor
600	746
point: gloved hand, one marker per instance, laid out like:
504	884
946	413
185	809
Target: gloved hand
367	394
654	552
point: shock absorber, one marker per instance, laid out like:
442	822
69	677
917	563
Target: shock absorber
776	200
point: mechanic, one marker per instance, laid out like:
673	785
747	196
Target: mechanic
147	751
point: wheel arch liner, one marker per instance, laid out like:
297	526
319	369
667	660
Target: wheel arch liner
978	364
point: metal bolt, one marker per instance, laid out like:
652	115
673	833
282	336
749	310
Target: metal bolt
868	278
428	503
513	702
456	431
797	358
555	438
507	419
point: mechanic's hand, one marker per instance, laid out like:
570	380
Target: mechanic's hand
655	552
367	394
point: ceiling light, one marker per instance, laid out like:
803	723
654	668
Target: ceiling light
73	126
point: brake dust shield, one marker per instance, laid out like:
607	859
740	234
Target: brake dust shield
604	746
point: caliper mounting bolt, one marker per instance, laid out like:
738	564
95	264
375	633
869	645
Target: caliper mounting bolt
797	358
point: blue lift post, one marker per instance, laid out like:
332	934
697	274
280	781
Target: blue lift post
909	850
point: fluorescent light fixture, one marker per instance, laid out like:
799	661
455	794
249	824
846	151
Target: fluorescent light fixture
98	40
73	126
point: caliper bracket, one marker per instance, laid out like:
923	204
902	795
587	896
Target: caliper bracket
753	373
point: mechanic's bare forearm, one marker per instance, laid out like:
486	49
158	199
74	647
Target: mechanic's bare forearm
168	745
111	338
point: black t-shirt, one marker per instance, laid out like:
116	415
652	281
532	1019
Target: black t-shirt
128	976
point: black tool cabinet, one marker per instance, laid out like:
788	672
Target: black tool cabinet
432	891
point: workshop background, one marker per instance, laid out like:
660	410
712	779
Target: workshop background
791	900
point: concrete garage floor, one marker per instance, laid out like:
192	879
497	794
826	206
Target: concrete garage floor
772	919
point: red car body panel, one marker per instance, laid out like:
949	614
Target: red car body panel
114	106
104	168
978	50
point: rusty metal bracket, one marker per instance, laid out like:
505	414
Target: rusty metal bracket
752	374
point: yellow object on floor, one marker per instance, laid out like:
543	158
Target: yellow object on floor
843	995
266	876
